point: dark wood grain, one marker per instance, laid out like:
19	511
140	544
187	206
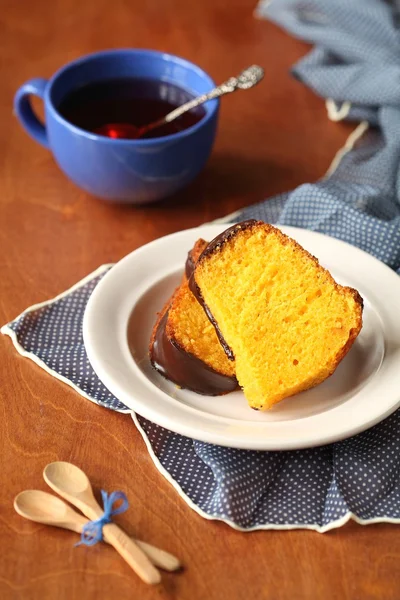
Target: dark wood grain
51	234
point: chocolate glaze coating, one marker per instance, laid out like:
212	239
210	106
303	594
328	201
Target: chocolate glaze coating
194	288
226	235
212	247
190	265
185	369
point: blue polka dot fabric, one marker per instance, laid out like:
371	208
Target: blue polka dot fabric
52	333
318	488
355	65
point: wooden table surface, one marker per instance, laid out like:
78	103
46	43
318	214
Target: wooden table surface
52	234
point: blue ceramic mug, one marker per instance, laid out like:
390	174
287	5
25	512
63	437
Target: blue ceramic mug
136	171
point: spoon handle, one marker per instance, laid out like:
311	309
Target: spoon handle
123	544
131	553
244	81
160	558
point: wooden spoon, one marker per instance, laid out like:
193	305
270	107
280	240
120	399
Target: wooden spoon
45	508
72	483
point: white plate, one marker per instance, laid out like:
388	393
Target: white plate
364	389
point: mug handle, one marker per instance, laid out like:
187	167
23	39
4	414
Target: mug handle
24	112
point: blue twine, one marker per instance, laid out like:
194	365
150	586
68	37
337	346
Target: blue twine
92	532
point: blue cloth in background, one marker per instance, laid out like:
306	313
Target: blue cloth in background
356	60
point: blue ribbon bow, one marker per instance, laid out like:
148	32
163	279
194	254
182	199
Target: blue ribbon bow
92	532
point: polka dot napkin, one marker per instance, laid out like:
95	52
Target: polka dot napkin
319	488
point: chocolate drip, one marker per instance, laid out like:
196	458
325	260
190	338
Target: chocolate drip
185	369
214	245
190	265
194	288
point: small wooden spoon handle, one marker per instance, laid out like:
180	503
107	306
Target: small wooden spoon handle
131	553
160	558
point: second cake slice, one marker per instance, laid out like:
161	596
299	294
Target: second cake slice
184	346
